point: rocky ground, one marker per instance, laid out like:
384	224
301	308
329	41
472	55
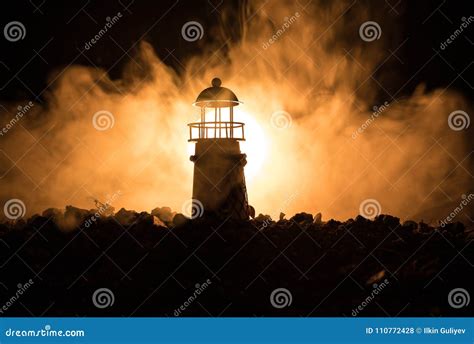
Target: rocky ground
162	264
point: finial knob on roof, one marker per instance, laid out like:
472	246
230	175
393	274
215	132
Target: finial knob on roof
216	82
216	96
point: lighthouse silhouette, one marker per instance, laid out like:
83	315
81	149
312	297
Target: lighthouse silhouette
219	182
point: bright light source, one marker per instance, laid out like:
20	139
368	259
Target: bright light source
255	144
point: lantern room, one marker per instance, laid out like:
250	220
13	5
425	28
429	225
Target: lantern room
216	104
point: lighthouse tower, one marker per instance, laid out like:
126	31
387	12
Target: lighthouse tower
219	180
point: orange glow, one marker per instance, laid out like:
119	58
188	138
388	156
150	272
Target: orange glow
308	161
255	144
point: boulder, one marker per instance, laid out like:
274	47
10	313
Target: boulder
390	221
302	218
454	228
165	214
263	218
409	224
157	222
179	220
318	219
126	217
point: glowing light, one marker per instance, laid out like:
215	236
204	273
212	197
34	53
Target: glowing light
255	144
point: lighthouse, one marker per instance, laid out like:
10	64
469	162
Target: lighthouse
219	181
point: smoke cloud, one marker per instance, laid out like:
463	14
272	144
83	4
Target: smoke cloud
315	142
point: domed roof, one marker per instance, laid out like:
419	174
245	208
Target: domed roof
216	96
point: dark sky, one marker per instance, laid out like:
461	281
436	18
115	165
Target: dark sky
57	30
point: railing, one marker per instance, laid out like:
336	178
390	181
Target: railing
216	130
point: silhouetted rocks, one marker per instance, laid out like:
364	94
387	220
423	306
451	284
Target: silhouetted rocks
179	220
164	214
318	219
263	218
390	221
126	217
154	262
302	218
410	225
454	228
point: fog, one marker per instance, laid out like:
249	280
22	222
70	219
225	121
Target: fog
315	142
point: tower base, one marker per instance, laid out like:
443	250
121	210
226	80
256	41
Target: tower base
219	180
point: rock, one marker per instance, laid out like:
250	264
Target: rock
165	214
282	216
76	213
251	212
326	255
283	223
342	227
104	209
454	228
302	218
126	217
318	219
389	220
360	219
179	219
376	277
334	223
147	219
157	222
52	213
410	225
263	218
424	228
470	234
72	218
263	221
